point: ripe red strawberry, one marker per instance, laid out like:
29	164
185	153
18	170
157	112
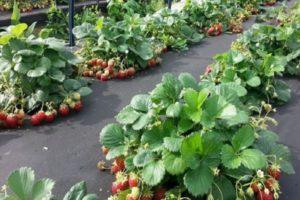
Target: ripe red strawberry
41	115
152	62
104	64
86	73
50	116
3	116
35	120
275	172
254	187
12	121
105	150
104	77
133	180
114	188
94	62
64	110
160	193
98	75
109	70
115	168
121	74
269	184
210	30
99	62
264	195
130	71
78	106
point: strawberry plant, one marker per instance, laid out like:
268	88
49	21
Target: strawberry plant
21	185
37	76
196	137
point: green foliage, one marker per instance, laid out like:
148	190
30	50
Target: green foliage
23	186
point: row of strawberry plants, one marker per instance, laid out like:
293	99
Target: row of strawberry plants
134	41
39	78
209	139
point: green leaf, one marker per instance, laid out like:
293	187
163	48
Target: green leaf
188	81
37	72
42	189
141	102
243	138
112	136
254	81
174	164
228	112
143	157
223	189
21	182
184	125
84	91
199	181
90	197
253	159
191	149
173	144
229	157
153	173
45	62
174	110
116	152
143	121
77	192
72	84
191	98
127	116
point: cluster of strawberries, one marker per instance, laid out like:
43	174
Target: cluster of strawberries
106	70
18	117
266	188
215	30
131	183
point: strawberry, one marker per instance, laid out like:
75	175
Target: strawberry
94	62
78	106
86	73
133	180
219	27
104	77
21	114
104	64
35	120
210	30
147	194
111	63
12	121
134	195
152	62
115	168
91	73
41	115
114	188
130	71
105	150
99	62
3	116
254	187
64	110
50	116
264	195
159	193
98	75
275	172
121	74
208	70
120	162
269	184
